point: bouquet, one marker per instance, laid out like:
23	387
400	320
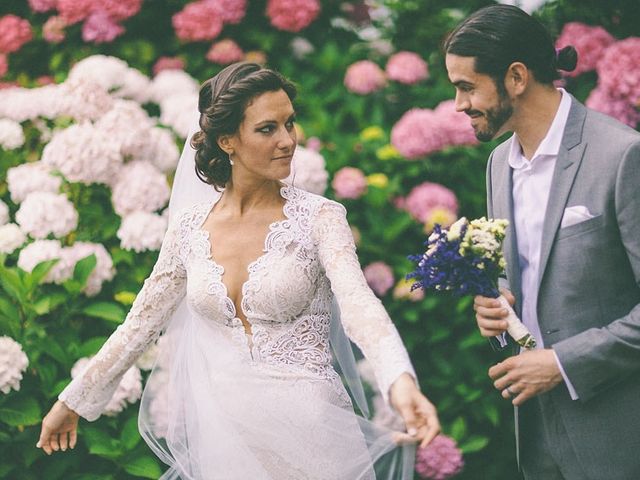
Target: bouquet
467	260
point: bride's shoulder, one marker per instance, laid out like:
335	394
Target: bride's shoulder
312	202
190	217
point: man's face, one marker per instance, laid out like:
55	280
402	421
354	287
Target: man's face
477	95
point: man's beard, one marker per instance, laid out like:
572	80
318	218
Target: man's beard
495	117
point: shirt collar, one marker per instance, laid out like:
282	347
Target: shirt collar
550	145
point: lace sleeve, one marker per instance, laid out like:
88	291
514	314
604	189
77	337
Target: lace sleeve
90	392
364	318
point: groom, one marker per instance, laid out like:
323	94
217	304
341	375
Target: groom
568	181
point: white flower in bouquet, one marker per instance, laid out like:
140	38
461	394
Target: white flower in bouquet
44	213
11	238
127	124
83	153
31	177
4	213
129	389
177	111
139	186
13	361
308	171
83	99
104	270
42	250
11	134
141	231
172	82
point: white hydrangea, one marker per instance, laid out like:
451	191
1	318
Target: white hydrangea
308	171
11	134
83	99
172	82
31	177
177	111
20	104
4	213
42	213
42	250
127	124
135	85
13	361
129	389
11	238
104	270
158	147
141	231
110	73
139	186
301	47
83	153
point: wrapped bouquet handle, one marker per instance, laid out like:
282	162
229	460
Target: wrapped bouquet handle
516	328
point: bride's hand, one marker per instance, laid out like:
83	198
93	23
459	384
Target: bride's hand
59	429
418	413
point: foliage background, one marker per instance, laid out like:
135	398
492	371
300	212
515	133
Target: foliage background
52	323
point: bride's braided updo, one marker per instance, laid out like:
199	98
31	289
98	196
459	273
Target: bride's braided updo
222	103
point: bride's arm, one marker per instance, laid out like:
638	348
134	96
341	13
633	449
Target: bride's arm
89	393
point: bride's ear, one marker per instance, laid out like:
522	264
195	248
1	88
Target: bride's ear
225	142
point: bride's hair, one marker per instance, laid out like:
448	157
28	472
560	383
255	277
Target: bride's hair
222	103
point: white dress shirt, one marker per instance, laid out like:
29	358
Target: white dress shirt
531	185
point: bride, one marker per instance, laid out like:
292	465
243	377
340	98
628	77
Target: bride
253	291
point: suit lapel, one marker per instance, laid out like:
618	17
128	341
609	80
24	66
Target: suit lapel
567	165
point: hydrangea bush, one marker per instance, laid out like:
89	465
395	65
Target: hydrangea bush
96	98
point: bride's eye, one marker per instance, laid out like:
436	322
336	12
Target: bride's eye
289	125
267	129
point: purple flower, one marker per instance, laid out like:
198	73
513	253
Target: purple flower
439	460
99	27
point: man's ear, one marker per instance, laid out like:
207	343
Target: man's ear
225	142
517	78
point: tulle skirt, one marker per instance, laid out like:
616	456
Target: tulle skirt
210	413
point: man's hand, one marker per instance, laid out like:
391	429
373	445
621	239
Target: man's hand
490	315
526	375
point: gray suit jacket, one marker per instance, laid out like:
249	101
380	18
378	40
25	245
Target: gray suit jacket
589	297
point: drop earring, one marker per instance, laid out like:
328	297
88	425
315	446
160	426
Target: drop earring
230	160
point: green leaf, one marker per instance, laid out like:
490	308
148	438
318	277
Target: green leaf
130	437
459	429
84	268
20	410
91	346
474	444
12	284
49	302
111	312
145	467
51	347
100	443
39	273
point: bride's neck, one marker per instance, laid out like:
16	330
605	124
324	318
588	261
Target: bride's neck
240	197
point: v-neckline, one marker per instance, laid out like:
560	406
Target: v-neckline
250	267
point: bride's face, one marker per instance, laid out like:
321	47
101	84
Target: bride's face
266	139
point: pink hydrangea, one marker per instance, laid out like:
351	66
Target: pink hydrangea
619	70
407	68
590	43
379	276
99	27
14	32
455	126
292	15
417	134
168	63
53	29
425	197
225	52
198	21
618	108
232	11
4	64
349	182
439	460
74	11
41	6
118	10
364	77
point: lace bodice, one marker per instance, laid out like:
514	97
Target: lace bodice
309	257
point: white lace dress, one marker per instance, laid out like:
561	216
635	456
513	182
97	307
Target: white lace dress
224	404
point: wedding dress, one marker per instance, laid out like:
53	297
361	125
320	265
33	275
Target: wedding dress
224	404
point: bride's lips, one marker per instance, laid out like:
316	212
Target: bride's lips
284	157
